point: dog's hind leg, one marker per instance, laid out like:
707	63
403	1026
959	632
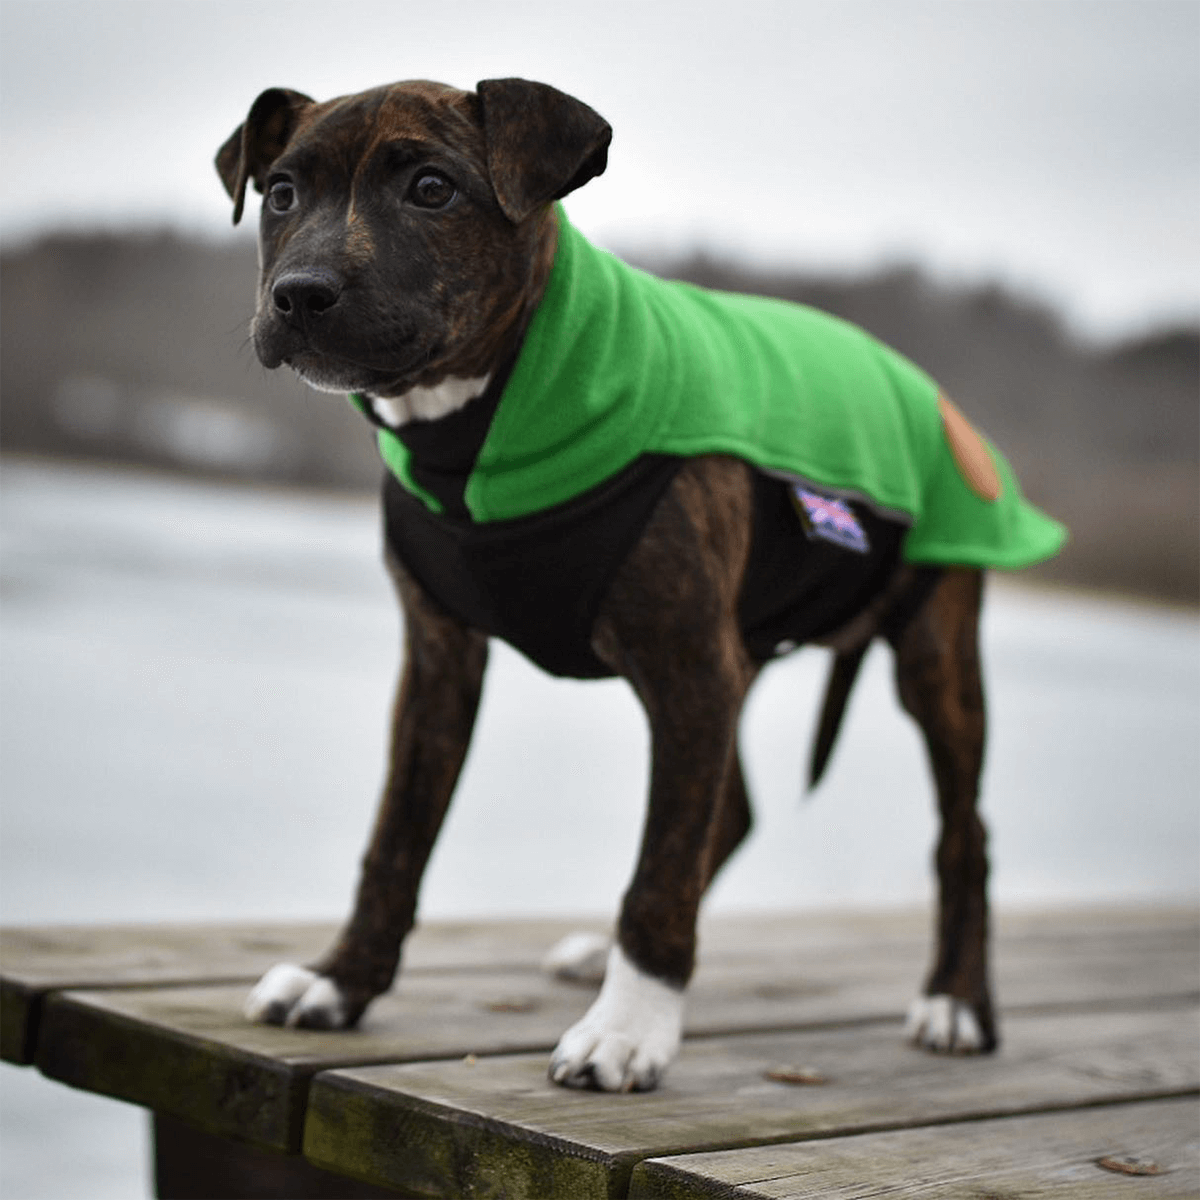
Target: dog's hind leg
939	681
434	714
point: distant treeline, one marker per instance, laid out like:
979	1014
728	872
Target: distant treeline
134	349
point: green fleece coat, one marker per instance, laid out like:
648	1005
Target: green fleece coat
618	364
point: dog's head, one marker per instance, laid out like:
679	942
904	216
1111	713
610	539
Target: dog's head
405	231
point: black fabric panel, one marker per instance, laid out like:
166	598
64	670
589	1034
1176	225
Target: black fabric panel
444	451
799	589
536	581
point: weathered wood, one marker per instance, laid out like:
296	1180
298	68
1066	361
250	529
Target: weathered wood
859	966
37	960
496	1126
192	1165
474	987
1046	1156
189	1052
1091	954
40	960
1072	956
137	1043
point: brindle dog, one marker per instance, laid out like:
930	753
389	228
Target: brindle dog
406	236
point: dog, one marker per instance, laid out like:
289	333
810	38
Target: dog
414	254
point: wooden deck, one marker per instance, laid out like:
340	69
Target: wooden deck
443	1092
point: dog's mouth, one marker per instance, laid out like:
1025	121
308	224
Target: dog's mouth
279	345
324	373
327	373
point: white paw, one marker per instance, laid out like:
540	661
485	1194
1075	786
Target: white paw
579	957
627	1038
296	996
945	1024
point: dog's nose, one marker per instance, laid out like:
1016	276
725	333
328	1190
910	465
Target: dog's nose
302	295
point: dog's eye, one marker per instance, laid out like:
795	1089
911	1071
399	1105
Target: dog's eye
281	196
431	190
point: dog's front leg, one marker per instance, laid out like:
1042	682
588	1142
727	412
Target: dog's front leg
434	715
632	1031
678	644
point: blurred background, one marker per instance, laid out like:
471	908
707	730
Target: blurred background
197	643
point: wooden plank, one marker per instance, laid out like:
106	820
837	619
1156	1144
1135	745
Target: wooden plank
192	1165
36	960
1105	954
40	960
842	974
137	1043
1042	958
497	1126
1047	1156
862	966
190	1053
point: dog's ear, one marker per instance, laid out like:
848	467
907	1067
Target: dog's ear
258	142
541	143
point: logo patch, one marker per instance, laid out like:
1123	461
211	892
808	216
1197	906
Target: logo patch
828	519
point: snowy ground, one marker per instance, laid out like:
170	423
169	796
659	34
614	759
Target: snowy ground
194	686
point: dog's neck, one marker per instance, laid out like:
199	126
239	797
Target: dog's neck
431	403
442	451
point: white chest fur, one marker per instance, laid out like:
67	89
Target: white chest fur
428	403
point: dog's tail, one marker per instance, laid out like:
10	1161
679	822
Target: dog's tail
842	675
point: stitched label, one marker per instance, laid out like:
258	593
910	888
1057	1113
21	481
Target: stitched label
828	519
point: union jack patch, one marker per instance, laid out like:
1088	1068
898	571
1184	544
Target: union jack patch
830	520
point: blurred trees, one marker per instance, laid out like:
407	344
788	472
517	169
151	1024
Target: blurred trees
135	349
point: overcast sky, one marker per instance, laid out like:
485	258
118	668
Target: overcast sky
1053	145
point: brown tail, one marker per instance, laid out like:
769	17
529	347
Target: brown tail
842	675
